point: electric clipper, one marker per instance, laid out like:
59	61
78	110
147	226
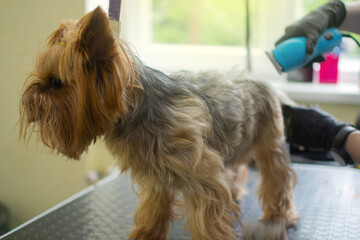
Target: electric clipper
291	53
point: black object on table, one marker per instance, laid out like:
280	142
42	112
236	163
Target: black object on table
327	198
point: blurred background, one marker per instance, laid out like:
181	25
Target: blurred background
166	34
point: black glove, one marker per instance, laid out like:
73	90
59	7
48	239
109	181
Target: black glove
313	128
310	126
315	23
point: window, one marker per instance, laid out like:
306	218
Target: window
174	35
167	33
200	22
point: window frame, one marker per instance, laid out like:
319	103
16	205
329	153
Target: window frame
136	31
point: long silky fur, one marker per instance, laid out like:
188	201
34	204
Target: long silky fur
184	133
85	106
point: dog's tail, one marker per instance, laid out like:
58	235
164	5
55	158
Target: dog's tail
261	230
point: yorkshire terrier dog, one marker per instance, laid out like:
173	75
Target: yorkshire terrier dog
186	133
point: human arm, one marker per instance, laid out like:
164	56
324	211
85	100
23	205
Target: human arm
316	22
313	128
351	22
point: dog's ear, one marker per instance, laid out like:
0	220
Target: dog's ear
95	36
102	71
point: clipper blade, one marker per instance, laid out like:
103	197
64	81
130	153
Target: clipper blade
274	62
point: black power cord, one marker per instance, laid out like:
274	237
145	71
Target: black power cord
352	37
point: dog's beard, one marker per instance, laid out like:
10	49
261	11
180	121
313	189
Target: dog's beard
52	115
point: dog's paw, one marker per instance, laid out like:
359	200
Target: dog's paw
264	230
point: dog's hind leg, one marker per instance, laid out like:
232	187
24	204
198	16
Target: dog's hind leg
154	214
277	177
277	182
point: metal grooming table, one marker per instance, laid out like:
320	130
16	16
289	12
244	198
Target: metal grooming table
327	198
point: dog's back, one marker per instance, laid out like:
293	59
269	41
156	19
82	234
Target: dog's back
240	107
235	107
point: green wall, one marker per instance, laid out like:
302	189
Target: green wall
31	179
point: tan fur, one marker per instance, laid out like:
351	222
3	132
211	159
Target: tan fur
188	134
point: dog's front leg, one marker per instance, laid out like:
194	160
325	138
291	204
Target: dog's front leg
153	215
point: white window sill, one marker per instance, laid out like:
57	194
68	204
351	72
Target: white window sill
345	93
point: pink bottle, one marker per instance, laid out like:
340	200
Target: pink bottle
329	68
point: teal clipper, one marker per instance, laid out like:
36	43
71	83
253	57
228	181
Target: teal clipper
291	53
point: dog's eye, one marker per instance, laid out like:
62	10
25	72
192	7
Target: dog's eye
55	83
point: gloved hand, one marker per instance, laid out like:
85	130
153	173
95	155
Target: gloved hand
315	23
310	126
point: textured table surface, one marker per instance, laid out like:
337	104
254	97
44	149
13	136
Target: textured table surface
327	198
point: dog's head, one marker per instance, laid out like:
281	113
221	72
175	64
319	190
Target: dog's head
79	86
